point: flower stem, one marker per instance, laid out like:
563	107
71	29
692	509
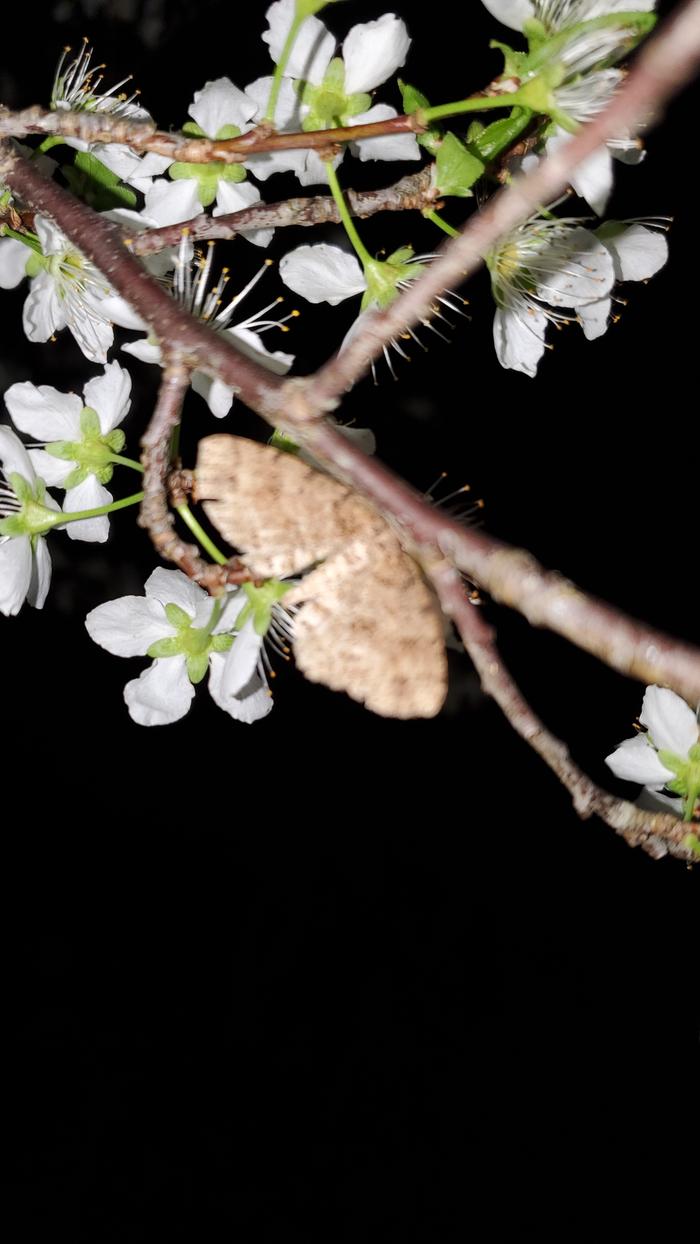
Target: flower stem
129	462
200	534
53	140
475	103
78	515
441	224
344	212
280	68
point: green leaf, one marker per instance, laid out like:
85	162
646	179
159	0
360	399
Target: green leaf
279	440
514	63
456	168
413	99
491	140
96	184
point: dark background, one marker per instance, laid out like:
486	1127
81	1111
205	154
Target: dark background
331	972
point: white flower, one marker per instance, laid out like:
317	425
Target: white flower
190	289
25	563
668	753
262	619
332	91
81	440
66	290
187	633
546	270
637	253
557	15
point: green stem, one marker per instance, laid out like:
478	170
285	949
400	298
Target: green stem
200	534
344	213
29	239
441	224
78	515
475	103
689	804
280	68
130	462
53	140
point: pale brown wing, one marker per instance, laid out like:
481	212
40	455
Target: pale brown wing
369	625
280	513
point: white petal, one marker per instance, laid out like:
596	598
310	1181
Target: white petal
583	270
53	471
221	103
128	626
43	314
594	318
313	47
108	394
593	180
144	349
389	146
269	162
241	660
233	197
289	112
251	344
41	574
671	723
150	166
13	455
43	413
637	252
88	496
217	395
512	13
635	760
373	51
51	239
172	587
518	335
92	332
171	202
162	694
251	704
13	262
322	273
117	310
313	171
15	573
117	159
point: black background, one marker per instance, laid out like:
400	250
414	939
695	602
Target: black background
331	973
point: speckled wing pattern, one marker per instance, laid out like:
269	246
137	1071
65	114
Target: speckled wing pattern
368	623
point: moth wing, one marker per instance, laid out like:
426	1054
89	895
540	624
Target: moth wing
280	513
370	626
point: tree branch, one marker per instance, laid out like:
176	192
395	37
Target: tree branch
657	833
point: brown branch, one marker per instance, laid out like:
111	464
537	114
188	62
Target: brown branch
666	63
657	833
412	193
143	136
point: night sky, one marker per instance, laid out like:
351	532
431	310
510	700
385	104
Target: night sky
330	971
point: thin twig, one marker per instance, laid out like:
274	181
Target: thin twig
657	833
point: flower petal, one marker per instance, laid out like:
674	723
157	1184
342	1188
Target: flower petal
518	334
251	344
594	318
637	252
52	470
43	314
289	112
172	587
636	760
147	351
88	496
108	394
171	202
671	723
162	694
322	273
373	51
313	47
13	262
128	626
511	13
579	270
251	704
388	146
241	660
221	103
15	573
41	574
117	310
233	197
42	412
217	395
13	455
51	239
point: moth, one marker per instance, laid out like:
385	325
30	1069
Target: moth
367	622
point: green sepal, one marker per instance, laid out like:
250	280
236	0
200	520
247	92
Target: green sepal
383	276
328	104
21	487
535	32
279	440
413	100
177	617
34	265
676	764
168	647
13	525
243	616
692	843
115	440
77	476
514	63
197	666
456	168
192	130
90	423
548	50
96	184
61	449
208	176
260	602
221	643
